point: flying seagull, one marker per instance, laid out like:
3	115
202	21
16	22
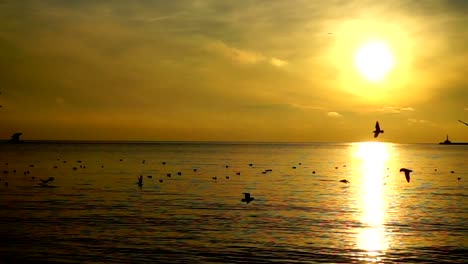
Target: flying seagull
247	198
377	130
407	172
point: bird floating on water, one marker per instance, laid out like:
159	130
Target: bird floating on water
247	198
46	182
140	180
407	173
377	130
345	181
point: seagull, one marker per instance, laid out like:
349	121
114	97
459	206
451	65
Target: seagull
377	130
344	181
407	172
247	198
140	180
46	182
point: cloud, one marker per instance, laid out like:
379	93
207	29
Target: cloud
307	107
238	55
334	114
277	62
395	109
417	121
243	56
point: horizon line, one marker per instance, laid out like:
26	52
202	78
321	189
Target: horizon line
91	141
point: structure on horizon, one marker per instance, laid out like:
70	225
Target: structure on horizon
15	138
448	142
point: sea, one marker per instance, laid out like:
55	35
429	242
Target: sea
313	202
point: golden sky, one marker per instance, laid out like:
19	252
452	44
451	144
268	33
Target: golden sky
232	70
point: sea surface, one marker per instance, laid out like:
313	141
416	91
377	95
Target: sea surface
301	212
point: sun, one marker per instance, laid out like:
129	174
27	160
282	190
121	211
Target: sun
374	60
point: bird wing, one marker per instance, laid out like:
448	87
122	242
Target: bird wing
463	122
407	176
376	133
377	126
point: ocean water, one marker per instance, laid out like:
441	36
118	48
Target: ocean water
302	213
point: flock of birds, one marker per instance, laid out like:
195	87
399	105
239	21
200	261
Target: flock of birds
247	196
45	182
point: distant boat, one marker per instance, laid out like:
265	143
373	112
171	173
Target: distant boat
448	142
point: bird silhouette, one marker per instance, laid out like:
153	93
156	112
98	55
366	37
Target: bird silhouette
140	180
407	173
46	182
377	130
247	198
344	181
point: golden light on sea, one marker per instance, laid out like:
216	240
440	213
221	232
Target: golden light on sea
372	157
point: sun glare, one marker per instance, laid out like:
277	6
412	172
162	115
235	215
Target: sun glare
373	60
373	157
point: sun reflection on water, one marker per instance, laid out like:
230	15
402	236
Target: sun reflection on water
372	157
